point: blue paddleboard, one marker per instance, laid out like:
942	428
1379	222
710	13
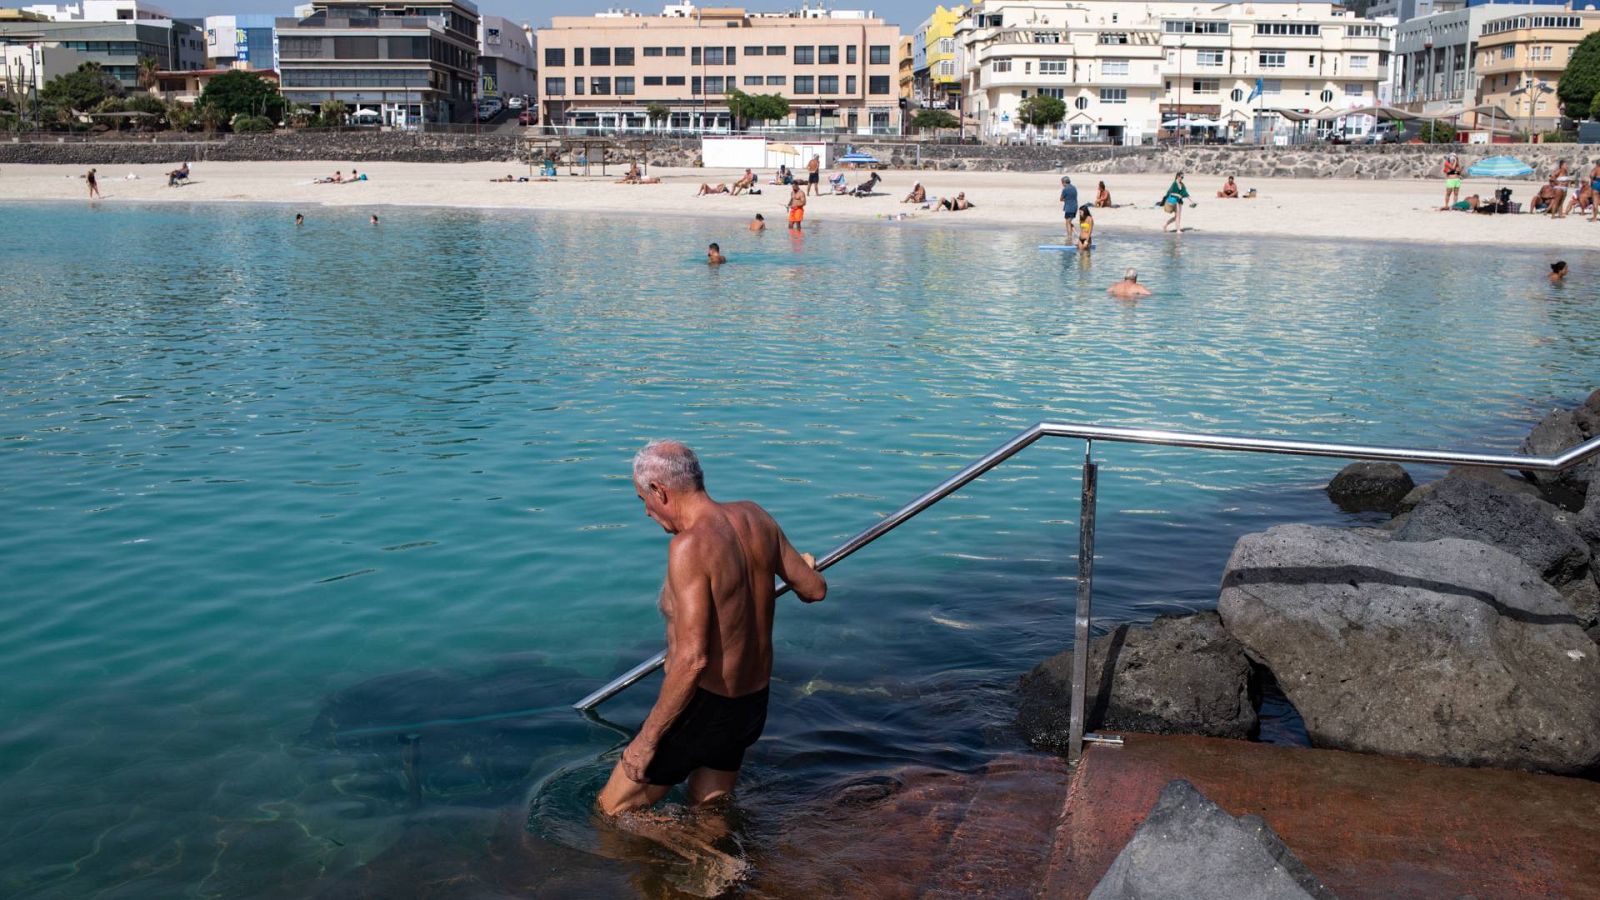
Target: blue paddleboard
1058	247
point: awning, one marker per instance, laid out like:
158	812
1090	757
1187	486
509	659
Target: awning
1387	113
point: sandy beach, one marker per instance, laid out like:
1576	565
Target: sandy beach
1315	208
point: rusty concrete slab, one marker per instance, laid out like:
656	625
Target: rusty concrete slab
1369	826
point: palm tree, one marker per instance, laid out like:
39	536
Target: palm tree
210	117
148	66
333	112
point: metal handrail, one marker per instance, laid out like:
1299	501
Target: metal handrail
1154	436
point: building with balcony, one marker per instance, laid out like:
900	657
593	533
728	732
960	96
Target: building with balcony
101	11
50	49
241	42
836	68
397	63
186	86
1123	68
937	79
904	60
505	58
1520	59
1436	55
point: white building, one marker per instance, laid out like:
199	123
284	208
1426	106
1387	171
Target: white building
505	58
1123	68
100	11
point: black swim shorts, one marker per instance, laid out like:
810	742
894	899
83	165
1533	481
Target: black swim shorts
712	733
812	177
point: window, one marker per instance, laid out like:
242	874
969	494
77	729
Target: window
408	48
946	67
355	48
828	84
1207	86
1236	95
947	45
878	54
1107	67
714	56
850	54
805	56
624	56
674	51
850	85
754	50
652	81
1271	87
1111	38
777	80
694	88
694	56
804	84
753	81
1272	60
652	51
714	84
775	50
1354	90
1326	96
1113	95
577	59
1002	65
554	57
1196	27
1058	93
1208	57
1081	102
624	84
1508	52
599	85
599	56
577	87
674	81
1358	61
1299	29
555	87
828	55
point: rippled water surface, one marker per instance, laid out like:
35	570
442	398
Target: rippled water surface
310	534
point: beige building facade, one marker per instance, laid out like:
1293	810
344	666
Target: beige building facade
838	69
1124	68
1520	59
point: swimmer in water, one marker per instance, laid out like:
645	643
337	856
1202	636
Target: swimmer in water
1129	287
714	255
759	223
1558	271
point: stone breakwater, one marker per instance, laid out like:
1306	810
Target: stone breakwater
1381	162
1460	631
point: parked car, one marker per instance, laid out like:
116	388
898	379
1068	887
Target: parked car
514	101
488	108
526	117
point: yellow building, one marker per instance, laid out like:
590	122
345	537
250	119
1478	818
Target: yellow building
1520	61
936	72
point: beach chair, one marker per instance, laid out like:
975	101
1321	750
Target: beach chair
837	183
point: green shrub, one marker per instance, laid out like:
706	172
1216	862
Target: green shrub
249	124
1559	137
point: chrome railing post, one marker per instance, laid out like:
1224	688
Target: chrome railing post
1080	641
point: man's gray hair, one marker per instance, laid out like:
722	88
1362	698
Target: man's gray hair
1065	180
669	464
1131	274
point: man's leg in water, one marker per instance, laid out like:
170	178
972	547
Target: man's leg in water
622	794
706	785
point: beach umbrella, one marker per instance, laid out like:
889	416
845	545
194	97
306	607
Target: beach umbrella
857	158
1499	167
365	113
790	149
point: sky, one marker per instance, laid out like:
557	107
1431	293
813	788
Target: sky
905	13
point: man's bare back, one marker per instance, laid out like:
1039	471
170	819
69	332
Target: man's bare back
718	602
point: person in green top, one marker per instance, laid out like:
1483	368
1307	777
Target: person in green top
1173	202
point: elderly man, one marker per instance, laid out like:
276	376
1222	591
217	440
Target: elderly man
718	603
1129	287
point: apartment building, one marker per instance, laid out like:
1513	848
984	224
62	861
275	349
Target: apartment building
936	78
241	42
1436	55
1123	68
505	58
55	48
836	68
904	60
1520	61
398	62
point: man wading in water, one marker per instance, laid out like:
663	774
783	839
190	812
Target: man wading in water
718	603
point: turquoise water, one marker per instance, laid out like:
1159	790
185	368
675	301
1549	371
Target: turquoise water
276	497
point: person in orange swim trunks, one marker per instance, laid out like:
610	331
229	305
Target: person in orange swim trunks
797	208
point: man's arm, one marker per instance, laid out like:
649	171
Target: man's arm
687	656
799	571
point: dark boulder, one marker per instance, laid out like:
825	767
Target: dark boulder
1450	651
1180	674
1368	486
1556	432
1587	416
1189	847
1496	478
1528	528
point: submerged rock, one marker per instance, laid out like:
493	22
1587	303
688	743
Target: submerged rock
1450	651
1189	847
1368	486
1530	529
1181	674
1496	478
